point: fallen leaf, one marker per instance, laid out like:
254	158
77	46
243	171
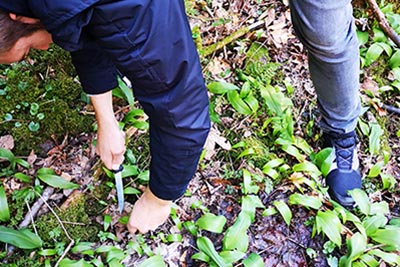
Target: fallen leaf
7	142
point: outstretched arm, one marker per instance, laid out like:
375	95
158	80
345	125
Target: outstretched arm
110	139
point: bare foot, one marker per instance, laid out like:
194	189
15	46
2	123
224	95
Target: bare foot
148	213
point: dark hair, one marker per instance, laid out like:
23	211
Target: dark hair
11	31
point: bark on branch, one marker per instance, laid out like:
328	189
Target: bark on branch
383	23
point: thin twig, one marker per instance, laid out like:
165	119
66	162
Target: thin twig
31	215
47	192
65	231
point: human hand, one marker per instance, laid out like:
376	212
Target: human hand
110	145
110	139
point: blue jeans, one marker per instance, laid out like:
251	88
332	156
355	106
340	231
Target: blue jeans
327	30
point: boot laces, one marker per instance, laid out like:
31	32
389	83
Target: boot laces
344	148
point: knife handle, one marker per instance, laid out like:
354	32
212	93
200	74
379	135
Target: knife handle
120	168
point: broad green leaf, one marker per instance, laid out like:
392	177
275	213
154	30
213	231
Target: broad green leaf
97	262
236	236
174	238
324	160
211	222
275	163
115	263
132	191
362	200
220	88
304	200
129	170
359	264
380	208
238	104
4	210
47	252
73	263
307	167
246	89
284	210
57	181
395	221
374	138
362	37
252	102
373	53
356	246
329	223
201	256
387	48
85	248
107	222
23	177
293	151
115	253
133	115
127	93
9	156
394	61
232	256
23	238
388	181
105	248
248	186
369	260
141	125
206	246
269	212
390	258
303	145
375	170
371	224
249	205
396	71
22	163
253	260
191	227
388	236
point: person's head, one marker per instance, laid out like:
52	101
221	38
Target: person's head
18	34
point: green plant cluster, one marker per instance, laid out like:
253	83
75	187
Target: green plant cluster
40	99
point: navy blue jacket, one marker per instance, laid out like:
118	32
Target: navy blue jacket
150	42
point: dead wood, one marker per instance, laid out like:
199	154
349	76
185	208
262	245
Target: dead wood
383	23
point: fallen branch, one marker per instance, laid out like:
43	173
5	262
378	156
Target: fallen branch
208	50
47	192
391	109
383	23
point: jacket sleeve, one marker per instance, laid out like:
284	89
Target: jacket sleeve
97	73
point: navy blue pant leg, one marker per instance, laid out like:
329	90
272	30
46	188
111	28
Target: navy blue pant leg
151	43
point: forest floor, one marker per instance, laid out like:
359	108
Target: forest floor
217	185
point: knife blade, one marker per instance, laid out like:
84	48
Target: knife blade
119	186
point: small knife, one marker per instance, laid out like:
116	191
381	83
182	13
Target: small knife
120	188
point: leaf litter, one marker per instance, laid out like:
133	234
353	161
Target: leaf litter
270	237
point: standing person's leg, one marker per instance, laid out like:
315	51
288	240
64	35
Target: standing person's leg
327	30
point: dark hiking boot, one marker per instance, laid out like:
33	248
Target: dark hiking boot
344	174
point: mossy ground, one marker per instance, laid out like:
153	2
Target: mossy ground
41	99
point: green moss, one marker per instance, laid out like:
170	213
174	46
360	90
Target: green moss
41	100
76	221
22	259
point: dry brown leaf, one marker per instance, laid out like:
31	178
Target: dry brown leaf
215	138
7	142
